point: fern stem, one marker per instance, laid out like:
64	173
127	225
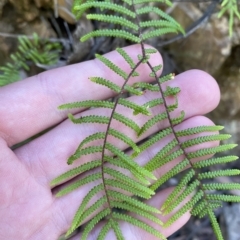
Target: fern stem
107	133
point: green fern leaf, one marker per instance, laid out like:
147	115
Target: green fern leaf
224	198
104	5
215	225
150	50
153	103
221	186
112	66
79	183
82	207
75	171
161	154
184	209
82	152
190	189
106	83
124	157
147	86
127	58
132	90
139	224
166	78
209	138
159	23
174	171
150	1
153	140
154	120
179	119
130	208
89	119
111	33
117	230
113	19
132	201
200	129
158	33
212	150
87	104
177	190
213	161
171	91
126	121
135	107
89	227
129	181
126	187
155	70
105	229
219	173
94	207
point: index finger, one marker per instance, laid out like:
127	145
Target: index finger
30	106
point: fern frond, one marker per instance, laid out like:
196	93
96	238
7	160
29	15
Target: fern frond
210	151
174	171
160	13
126	187
127	58
151	165
158	33
85	151
89	227
179	119
184	209
89	119
150	1
128	207
75	171
213	161
219	173
94	207
200	129
113	19
177	190
104	5
81	209
117	230
79	183
224	198
166	78
138	223
112	66
129	181
111	33
189	190
132	90
153	103
124	157
153	140
147	86
221	186
209	138
150	123
105	229
135	107
126	121
132	201
114	87
155	70
215	225
87	104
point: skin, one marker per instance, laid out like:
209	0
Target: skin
28	206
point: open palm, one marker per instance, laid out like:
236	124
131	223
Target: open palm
28	206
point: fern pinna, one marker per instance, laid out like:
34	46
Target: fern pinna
120	182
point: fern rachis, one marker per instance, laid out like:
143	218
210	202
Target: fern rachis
124	122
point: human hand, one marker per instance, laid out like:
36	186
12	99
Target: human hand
28	206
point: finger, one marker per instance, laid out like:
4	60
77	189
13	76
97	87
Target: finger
30	106
134	233
75	198
46	156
